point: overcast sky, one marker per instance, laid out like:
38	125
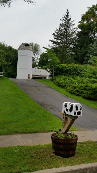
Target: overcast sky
24	22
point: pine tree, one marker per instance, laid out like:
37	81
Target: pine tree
64	39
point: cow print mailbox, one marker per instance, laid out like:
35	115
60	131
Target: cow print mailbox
70	112
74	109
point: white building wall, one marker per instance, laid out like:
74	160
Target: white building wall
24	65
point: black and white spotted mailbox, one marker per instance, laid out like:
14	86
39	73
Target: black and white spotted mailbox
70	112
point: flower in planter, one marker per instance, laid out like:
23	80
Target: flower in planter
63	135
64	144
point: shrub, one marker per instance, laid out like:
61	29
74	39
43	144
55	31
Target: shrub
71	69
81	86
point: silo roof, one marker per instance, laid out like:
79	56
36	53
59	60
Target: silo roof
25	46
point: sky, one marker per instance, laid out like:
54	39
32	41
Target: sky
24	22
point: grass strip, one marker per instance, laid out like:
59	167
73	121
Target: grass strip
63	91
20	114
33	158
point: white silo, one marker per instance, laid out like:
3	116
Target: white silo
24	65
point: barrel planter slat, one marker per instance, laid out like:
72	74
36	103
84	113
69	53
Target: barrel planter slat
64	147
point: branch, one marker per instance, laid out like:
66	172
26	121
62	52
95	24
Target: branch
8	2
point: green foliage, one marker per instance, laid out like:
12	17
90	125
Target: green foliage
81	47
43	60
89	21
81	86
8	2
50	59
71	69
92	51
64	39
93	61
0	68
90	72
8	60
77	79
86	35
62	135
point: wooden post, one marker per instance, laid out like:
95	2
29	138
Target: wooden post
68	120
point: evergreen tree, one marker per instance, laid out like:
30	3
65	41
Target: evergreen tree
64	39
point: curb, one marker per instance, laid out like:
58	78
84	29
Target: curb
83	168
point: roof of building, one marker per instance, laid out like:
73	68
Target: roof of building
25	46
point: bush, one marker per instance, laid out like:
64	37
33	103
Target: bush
81	86
71	69
90	72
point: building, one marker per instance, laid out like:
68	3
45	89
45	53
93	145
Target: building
24	64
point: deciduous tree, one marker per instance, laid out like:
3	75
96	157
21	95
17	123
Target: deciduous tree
86	35
43	60
8	2
53	60
36	53
8	60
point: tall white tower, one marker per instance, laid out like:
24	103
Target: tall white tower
24	65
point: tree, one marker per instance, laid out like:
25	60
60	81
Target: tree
8	60
8	2
89	21
43	60
81	47
53	60
36	52
64	39
86	35
92	51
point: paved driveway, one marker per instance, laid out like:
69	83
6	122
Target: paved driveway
52	100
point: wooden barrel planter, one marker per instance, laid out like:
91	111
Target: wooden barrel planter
64	147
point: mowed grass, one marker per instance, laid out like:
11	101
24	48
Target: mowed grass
20	114
63	91
33	158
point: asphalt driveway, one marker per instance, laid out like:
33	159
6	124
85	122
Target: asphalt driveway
52	100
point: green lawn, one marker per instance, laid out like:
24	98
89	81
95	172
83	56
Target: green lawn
63	91
33	158
20	114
